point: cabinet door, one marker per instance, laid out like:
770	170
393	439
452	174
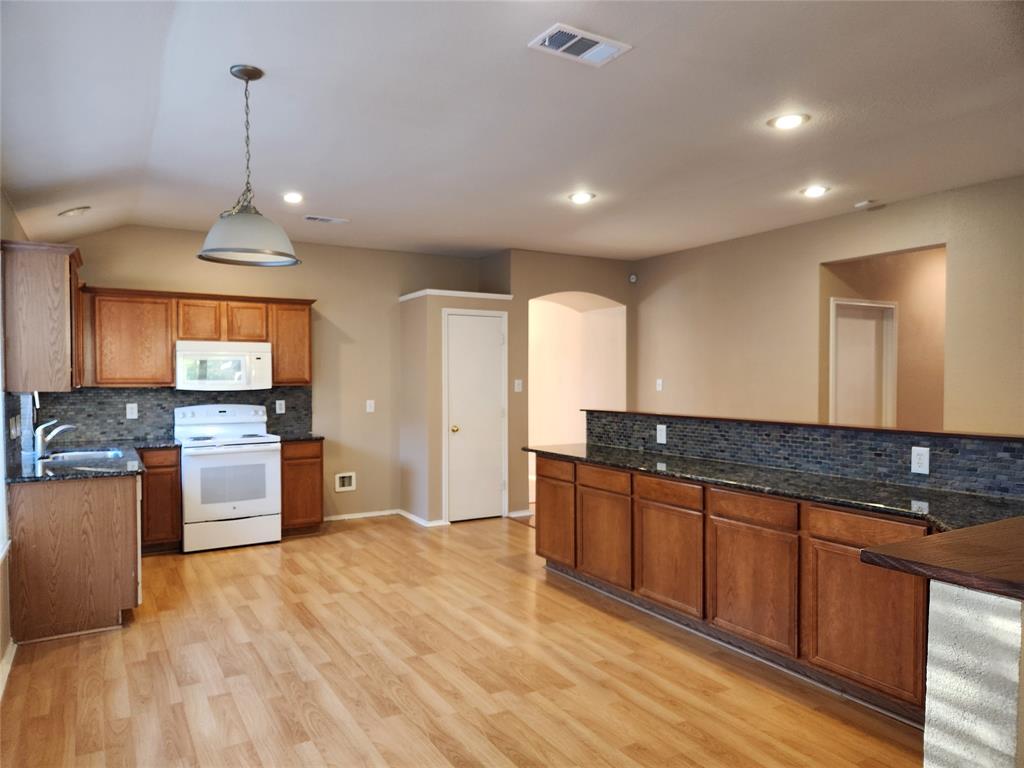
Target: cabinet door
302	484
199	319
161	497
556	521
134	340
669	556
290	337
246	320
862	622
77	327
604	536
752	582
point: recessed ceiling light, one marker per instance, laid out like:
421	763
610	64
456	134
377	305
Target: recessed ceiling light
788	122
582	198
815	190
293	197
76	211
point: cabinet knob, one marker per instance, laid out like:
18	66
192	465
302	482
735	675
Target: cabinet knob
455	427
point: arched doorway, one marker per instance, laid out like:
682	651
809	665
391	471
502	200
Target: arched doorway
577	359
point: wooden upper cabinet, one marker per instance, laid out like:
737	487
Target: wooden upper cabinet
291	343
199	319
134	339
40	310
862	622
246	320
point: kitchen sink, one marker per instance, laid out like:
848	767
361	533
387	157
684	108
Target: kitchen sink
66	456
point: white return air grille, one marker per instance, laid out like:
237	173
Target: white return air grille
584	47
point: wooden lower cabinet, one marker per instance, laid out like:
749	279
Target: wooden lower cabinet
669	555
604	536
555	520
302	485
73	559
858	621
752	582
161	499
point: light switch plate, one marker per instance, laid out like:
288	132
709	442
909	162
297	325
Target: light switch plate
661	434
658	385
517	385
131	410
371	406
919	460
279	406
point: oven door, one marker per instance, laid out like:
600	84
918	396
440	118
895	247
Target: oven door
230	482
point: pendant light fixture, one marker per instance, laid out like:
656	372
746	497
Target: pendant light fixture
242	235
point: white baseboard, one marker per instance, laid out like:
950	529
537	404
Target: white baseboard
520	513
420	520
387	513
361	515
5	666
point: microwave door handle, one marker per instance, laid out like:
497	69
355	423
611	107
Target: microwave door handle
221	449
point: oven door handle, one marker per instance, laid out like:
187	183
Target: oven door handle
223	449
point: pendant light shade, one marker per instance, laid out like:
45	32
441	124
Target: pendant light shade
242	235
249	239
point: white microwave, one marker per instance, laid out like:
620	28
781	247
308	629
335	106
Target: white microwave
223	366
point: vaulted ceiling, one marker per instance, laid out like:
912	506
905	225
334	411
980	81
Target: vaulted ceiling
433	128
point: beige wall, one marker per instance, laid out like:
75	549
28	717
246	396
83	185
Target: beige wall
356	332
916	282
10	227
733	328
421	410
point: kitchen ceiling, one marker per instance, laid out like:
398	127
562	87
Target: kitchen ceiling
433	128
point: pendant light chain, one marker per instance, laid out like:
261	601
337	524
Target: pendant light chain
244	202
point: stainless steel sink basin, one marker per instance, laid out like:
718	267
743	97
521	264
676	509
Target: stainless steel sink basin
66	456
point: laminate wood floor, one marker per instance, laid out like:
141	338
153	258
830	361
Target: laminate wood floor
381	643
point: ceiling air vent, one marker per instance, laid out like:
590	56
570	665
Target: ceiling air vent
585	47
325	219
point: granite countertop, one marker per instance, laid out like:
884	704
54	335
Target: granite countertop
31	471
946	510
289	437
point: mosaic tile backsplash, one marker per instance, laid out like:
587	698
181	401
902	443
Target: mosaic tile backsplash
992	466
98	413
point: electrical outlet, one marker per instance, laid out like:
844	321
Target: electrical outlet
662	466
919	460
658	385
517	385
919	507
661	434
131	410
279	406
371	406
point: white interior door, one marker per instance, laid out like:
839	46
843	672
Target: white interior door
863	368
476	437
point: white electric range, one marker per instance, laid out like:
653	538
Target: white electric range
230	476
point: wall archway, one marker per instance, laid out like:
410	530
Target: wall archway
577	359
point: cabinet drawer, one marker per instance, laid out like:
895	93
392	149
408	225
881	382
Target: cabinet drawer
605	479
301	449
751	508
555	469
159	457
856	530
669	492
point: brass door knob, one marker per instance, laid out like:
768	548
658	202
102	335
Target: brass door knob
455	427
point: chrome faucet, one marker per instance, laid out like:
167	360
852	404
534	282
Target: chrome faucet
42	440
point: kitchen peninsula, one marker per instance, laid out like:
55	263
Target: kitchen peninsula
761	558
